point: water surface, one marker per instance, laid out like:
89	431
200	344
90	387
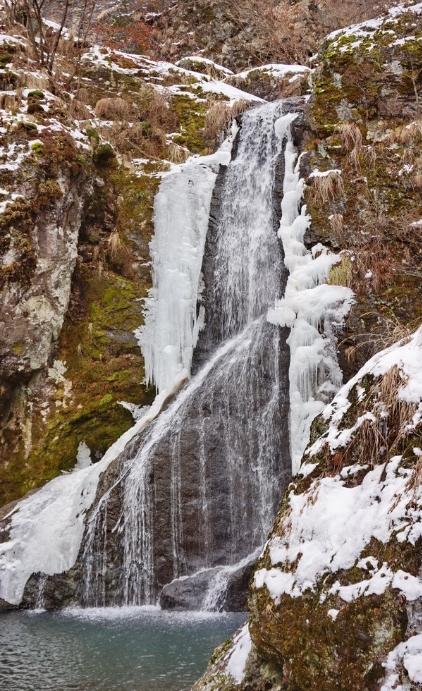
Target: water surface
128	649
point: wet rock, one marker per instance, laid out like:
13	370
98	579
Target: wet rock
188	593
223	589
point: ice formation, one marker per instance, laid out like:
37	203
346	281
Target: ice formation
310	308
172	320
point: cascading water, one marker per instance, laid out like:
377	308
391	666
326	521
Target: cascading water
200	487
245	270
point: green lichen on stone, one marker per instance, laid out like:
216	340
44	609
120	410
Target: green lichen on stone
103	361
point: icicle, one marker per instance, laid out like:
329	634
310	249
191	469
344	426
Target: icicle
310	308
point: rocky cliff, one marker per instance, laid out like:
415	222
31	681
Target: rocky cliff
249	33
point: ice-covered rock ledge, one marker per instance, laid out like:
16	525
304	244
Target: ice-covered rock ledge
337	594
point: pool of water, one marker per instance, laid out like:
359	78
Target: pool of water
129	649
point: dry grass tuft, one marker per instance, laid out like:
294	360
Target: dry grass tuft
406	134
34	81
79	110
115	109
338	229
327	187
384	434
118	254
177	154
9	102
341	274
351	138
218	119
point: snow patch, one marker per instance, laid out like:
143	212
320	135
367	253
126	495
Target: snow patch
242	645
408	654
318	539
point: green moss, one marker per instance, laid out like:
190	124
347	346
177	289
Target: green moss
191	115
103	361
37	93
37	147
5	59
341	273
104	155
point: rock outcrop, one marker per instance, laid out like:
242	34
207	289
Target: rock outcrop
249	33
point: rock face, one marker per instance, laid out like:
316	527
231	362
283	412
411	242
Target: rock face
363	120
363	499
193	490
244	33
76	227
221	589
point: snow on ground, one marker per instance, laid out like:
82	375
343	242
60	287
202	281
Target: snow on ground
147	68
275	70
407	356
16	40
409	655
370	26
206	62
238	655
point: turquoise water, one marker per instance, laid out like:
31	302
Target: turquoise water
131	649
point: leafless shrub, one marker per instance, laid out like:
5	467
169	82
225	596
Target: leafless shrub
131	139
44	39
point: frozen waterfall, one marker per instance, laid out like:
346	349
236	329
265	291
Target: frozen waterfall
194	486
